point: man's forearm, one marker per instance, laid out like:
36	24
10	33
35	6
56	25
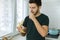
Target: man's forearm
39	28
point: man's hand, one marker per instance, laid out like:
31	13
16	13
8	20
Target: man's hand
32	16
21	29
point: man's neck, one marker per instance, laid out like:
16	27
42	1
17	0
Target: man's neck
37	14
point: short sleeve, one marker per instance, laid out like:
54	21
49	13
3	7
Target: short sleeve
46	21
25	22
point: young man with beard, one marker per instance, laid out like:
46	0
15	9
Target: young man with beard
36	24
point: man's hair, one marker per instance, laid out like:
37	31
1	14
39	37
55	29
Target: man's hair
37	2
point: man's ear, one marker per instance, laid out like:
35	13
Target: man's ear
39	8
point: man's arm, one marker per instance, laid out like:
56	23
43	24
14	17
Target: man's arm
43	30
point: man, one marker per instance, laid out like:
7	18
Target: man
36	23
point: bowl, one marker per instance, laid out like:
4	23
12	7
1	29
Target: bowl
53	32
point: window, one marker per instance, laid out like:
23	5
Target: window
22	10
11	13
6	17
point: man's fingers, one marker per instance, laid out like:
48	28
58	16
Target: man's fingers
19	28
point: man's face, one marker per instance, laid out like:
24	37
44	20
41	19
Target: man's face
33	8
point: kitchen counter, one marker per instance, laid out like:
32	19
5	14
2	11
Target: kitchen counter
50	38
19	37
47	38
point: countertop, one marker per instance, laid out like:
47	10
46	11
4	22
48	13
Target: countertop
19	37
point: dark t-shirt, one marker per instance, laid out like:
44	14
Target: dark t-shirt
32	33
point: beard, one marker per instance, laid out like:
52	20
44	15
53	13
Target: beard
36	12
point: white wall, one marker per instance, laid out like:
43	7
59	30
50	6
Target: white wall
52	9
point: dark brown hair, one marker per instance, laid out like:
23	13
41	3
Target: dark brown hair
37	2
